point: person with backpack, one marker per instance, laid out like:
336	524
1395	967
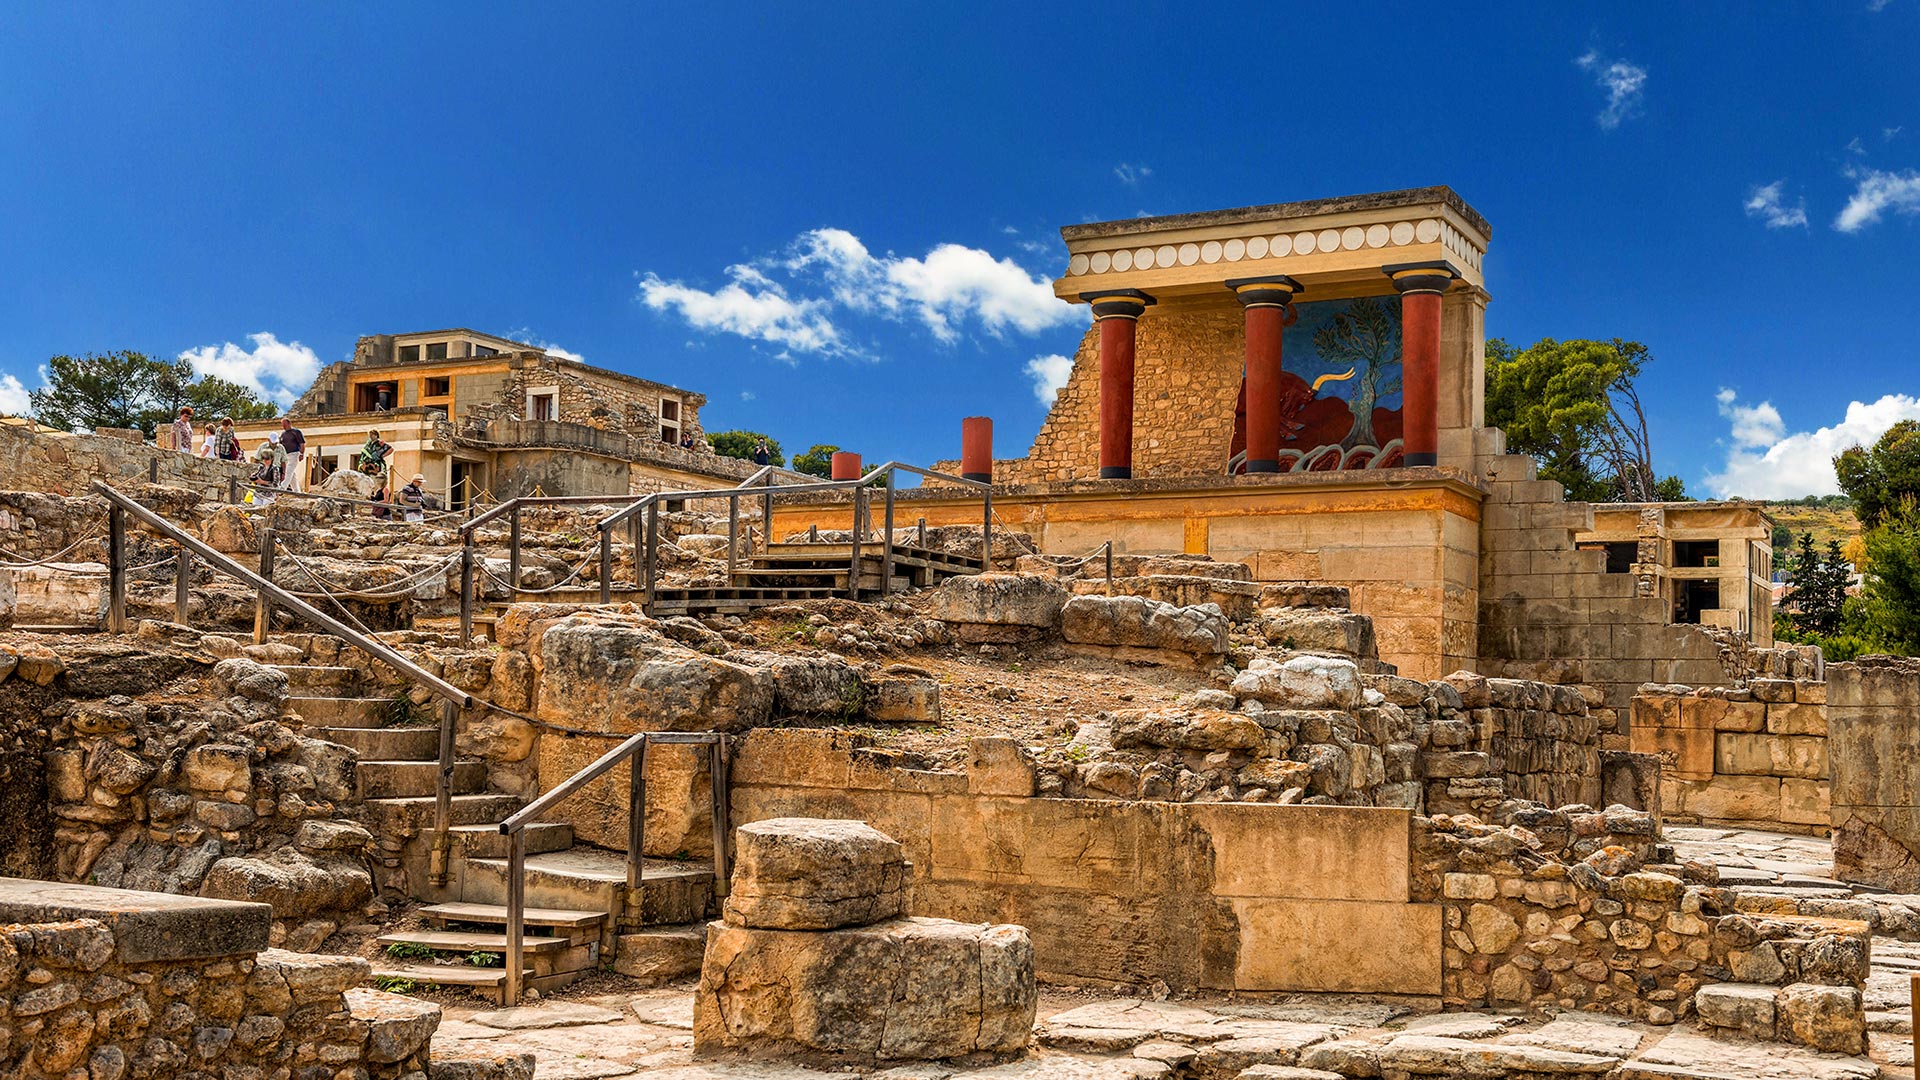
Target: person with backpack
226	442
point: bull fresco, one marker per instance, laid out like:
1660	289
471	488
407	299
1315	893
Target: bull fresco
1340	390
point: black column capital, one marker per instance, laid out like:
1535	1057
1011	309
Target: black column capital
1118	303
1422	277
1274	290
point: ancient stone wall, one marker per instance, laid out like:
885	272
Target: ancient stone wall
1538	741
1558	910
1201	896
1552	613
61	463
1755	755
136	987
1873	723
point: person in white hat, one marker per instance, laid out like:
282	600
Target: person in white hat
413	498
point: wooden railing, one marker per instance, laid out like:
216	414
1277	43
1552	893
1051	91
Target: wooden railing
634	749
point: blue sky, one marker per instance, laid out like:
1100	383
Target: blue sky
838	221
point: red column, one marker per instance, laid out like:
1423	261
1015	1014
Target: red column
846	465
1268	301
1421	286
976	448
1117	313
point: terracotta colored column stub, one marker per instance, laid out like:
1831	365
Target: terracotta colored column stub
1117	312
1269	304
1420	286
846	465
976	448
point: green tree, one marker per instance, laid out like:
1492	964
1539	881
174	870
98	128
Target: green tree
817	461
1880	478
1366	337
1574	407
1891	595
133	390
1817	595
739	444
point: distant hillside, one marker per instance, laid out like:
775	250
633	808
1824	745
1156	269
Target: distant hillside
1826	521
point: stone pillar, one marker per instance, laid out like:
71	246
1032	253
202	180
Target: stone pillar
846	465
976	448
1420	285
1269	304
1116	312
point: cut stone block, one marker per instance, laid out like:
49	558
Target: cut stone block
904	989
1743	1007
815	874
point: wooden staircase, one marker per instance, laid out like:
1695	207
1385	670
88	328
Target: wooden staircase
579	909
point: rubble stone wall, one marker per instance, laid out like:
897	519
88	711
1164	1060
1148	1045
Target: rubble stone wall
1873	716
1754	755
135	990
62	463
1216	896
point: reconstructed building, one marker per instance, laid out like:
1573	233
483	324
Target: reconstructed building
483	416
1712	562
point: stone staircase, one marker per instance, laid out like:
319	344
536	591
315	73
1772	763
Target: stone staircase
579	910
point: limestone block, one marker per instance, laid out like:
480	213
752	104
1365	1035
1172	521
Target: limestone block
1735	798
1317	630
1830	1018
1186	729
1798	719
218	767
396	1027
1805	802
1740	754
1803	756
997	765
1744	1007
903	989
815	874
1301	682
1140	623
904	700
1017	600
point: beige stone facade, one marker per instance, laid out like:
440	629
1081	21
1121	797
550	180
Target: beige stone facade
1712	562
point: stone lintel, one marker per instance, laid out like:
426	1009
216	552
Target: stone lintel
146	926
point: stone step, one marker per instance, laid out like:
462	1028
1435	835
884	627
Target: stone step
400	779
592	879
487	841
661	954
361	712
467	941
488	983
466	809
304	677
496	915
385	744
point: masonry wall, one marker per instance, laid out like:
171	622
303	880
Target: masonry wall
1755	756
61	463
1553	613
1873	718
1227	896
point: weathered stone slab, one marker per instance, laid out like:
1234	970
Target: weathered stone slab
146	926
815	874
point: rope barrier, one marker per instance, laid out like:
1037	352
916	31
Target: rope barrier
53	558
334	590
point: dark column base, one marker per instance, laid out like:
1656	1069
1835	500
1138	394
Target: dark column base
983	477
1420	459
1116	472
1263	466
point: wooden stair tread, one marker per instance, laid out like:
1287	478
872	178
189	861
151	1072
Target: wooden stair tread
471	941
442	974
497	913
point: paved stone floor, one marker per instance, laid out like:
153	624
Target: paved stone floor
1301	1038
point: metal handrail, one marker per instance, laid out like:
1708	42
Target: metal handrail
634	748
453	699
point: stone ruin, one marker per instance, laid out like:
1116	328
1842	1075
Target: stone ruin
817	959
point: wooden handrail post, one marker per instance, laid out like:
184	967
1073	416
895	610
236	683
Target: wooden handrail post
466	588
886	540
637	822
116	570
233	489
921	539
634	541
853	568
443	796
182	584
733	533
516	915
717	775
153	471
766	514
606	564
513	549
653	551
1109	547
986	530
263	608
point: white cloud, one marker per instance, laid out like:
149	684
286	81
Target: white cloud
1767	203
273	369
1855	146
13	396
1876	191
945	290
1878	5
1049	373
1624	82
1888	134
526	334
751	306
1764	462
1130	173
746	395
